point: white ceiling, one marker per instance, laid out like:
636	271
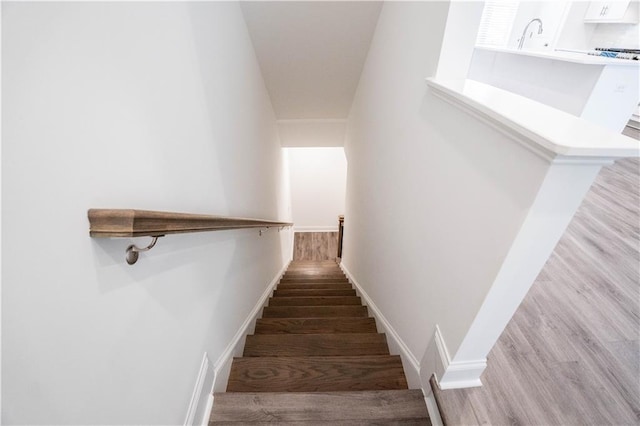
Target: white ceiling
311	53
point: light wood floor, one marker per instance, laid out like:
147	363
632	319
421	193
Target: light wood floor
571	353
317	246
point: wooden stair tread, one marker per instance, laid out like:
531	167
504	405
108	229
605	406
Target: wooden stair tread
370	422
313	277
316	374
316	359
249	407
314	311
305	292
315	301
289	345
324	274
314	286
315	280
315	325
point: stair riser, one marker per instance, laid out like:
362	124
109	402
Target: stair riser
314	286
315	301
310	293
313	311
369	407
315	325
314	280
315	345
322	276
316	374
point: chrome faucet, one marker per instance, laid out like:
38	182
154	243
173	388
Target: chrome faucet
524	32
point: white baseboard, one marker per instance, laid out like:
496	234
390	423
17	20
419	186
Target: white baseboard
207	411
396	344
222	366
200	395
456	374
315	229
432	408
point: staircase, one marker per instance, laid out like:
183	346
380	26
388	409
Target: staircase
316	358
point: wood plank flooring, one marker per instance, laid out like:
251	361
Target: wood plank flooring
571	353
315	354
632	131
315	325
353	408
316	246
316	374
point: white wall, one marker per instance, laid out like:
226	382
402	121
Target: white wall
551	13
434	197
312	133
128	105
318	179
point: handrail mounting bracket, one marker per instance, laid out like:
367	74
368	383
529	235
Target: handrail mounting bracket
133	251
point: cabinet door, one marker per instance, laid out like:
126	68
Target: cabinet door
596	10
606	11
615	10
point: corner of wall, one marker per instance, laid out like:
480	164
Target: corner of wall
396	344
214	377
200	401
449	374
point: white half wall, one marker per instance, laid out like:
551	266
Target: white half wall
435	198
318	179
451	215
156	106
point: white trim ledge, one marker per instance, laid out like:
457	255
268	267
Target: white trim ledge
396	344
456	374
565	55
206	375
550	133
434	412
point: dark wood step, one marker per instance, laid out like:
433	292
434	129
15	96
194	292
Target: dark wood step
323	274
315	269
314	286
315	344
301	292
314	265
369	407
315	325
316	374
315	301
315	273
383	422
314	311
314	280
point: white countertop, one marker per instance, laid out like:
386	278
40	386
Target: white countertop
562	55
554	131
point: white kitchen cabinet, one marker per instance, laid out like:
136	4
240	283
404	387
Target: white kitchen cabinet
611	12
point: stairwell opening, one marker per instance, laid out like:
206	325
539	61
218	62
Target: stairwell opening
318	179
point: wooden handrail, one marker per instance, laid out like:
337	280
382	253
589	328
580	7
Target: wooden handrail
340	234
144	223
106	223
